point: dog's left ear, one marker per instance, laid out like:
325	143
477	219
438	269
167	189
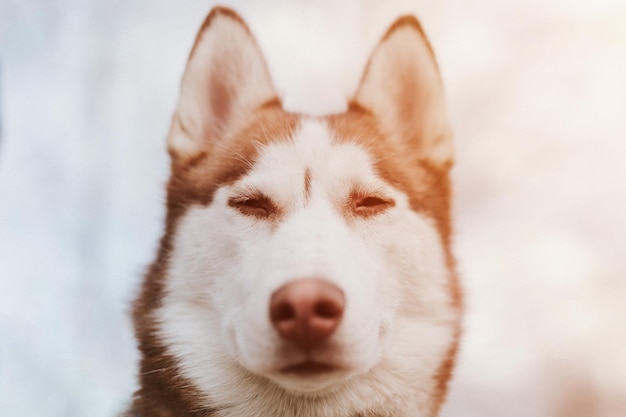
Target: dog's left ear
226	79
402	87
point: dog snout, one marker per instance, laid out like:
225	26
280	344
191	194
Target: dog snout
307	311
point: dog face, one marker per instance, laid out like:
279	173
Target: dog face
306	261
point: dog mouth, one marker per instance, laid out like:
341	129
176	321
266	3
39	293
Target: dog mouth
308	368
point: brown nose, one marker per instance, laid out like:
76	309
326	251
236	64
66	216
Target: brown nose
306	312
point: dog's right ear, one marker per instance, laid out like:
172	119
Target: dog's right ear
226	79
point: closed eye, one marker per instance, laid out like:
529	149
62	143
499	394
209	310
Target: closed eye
257	205
369	205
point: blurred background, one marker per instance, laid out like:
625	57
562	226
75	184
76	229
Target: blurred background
537	97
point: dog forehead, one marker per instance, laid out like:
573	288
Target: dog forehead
313	153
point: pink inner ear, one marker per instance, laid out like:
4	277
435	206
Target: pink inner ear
408	100
221	96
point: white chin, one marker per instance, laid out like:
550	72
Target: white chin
310	381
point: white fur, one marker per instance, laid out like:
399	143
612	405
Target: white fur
398	322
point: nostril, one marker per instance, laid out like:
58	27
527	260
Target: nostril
328	309
283	312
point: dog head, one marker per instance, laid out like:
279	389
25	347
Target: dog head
306	260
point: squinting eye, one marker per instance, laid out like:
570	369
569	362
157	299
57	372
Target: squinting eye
371	202
257	206
371	205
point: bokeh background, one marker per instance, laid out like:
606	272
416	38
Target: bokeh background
537	97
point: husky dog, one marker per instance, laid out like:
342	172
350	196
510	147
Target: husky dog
306	266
